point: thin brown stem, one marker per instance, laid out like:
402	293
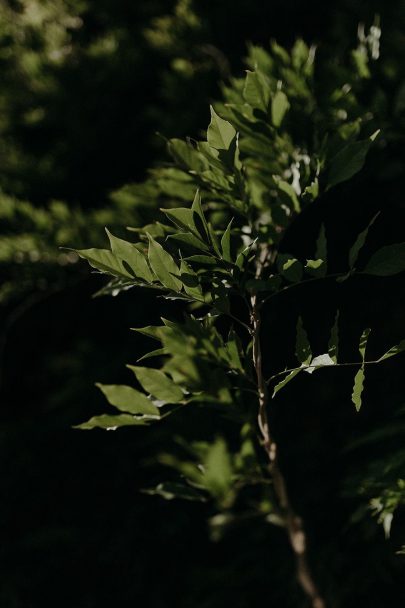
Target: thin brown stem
292	521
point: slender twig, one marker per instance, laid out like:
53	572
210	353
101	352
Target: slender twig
314	367
292	521
301	283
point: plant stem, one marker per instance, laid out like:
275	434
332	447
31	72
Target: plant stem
293	522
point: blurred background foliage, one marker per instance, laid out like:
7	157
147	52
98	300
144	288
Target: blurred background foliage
85	87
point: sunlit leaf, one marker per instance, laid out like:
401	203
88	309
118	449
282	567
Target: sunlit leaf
105	261
286	380
220	133
111	423
358	387
127	399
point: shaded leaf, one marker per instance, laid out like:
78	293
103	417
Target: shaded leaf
289	267
157	384
349	161
333	344
226	243
256	91
387	261
302	346
189	240
163	265
130	254
359	242
316	268
279	106
190	281
394	350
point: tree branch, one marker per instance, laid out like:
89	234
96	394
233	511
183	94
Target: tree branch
292	521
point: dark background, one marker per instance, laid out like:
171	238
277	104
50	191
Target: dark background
78	533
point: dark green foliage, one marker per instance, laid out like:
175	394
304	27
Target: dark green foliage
220	258
78	531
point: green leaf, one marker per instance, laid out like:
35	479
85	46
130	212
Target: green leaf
302	345
218	470
220	132
333	344
150	330
163	265
279	106
363	342
157	384
181	217
387	261
190	281
359	242
127	399
188	239
170	490
290	268
214	240
199	217
226	243
111	423
394	350
130	254
159	352
289	191
105	261
286	380
233	348
318	362
358	387
349	161
256	91
321	252
205	260
316	268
